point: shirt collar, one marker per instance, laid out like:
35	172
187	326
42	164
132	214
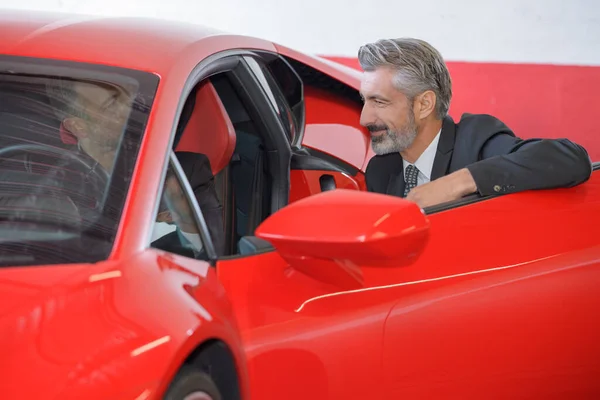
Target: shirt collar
425	161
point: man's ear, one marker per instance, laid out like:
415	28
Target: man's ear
76	126
425	104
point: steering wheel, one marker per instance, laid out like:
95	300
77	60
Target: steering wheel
93	171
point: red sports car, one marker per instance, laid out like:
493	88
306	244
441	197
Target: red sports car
154	172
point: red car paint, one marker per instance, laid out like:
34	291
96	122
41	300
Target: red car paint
118	329
498	304
494	299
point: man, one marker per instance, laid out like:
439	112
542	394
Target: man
176	227
94	117
423	155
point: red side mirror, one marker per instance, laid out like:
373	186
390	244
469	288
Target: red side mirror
331	235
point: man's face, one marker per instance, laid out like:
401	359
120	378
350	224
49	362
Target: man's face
387	113
179	210
105	111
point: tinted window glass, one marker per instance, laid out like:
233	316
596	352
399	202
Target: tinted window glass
69	137
284	90
175	229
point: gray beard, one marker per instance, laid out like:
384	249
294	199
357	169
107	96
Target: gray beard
394	141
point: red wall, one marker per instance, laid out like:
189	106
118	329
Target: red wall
534	100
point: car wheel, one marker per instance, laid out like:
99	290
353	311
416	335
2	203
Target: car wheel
192	384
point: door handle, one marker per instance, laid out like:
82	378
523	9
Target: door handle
327	182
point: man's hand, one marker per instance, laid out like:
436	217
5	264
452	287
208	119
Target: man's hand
448	188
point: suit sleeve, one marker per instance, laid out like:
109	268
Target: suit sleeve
509	164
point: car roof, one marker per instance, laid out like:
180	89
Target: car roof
151	45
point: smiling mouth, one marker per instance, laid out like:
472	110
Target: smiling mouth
377	133
377	130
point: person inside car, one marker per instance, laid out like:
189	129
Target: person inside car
176	227
93	119
423	155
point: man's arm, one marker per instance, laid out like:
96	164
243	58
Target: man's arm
509	164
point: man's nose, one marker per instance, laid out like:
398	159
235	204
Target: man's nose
366	115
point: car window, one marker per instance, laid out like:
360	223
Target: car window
284	90
225	136
69	136
175	228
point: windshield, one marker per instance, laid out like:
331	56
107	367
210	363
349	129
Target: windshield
69	138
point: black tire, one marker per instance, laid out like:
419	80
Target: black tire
192	384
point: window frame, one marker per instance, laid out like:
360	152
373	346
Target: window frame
217	63
228	61
260	57
188	192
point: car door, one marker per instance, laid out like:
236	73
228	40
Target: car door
477	308
482	312
325	156
301	339
266	293
499	304
310	334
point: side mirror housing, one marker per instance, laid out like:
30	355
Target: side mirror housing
331	235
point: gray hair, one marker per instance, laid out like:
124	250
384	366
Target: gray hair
64	98
420	68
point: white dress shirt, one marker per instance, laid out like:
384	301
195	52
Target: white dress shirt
425	161
161	229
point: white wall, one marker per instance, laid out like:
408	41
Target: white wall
538	31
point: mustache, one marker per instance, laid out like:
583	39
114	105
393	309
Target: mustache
376	128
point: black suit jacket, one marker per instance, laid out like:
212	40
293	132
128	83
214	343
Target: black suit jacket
174	242
499	161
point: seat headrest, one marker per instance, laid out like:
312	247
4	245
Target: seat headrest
209	130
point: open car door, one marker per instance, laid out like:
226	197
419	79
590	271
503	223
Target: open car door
321	117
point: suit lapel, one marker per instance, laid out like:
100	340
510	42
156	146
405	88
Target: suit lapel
443	154
396	183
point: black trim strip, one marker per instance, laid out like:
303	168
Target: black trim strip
306	162
340	164
465	201
275	140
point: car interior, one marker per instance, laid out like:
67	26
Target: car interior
216	123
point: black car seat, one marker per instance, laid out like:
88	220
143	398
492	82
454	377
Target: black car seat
205	128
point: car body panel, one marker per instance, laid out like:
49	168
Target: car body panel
344	74
121	42
481	283
99	331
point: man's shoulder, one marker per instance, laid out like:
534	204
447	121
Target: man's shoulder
387	162
481	125
379	169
